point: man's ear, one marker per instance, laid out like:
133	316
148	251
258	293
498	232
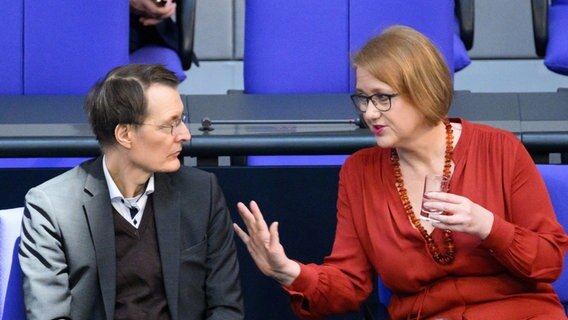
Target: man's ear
123	134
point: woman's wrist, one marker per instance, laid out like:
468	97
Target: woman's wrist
288	274
486	223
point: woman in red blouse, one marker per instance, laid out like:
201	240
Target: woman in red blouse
491	254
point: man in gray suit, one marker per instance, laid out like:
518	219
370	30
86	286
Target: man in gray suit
131	234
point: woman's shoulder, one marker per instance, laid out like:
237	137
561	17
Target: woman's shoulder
483	133
366	158
367	154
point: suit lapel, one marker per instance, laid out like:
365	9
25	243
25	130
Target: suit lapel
167	212
98	211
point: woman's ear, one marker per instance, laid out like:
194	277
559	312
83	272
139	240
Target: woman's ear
123	134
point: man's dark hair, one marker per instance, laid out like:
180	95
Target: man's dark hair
120	98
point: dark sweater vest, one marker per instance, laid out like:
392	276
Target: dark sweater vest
139	283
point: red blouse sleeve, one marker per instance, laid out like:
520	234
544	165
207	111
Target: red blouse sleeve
529	241
345	279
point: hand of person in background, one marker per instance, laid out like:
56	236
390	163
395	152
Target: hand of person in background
150	12
462	214
263	244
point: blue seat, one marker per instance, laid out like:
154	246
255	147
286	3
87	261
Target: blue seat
305	46
296	46
63	48
368	18
159	55
556	180
11	57
11	295
550	28
69	45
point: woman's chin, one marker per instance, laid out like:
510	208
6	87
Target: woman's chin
382	142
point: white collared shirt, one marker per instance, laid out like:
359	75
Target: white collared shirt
122	204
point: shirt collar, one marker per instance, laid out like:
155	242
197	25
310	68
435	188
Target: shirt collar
114	192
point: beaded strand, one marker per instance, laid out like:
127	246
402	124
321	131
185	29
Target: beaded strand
443	259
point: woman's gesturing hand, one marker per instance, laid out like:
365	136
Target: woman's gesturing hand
264	246
461	214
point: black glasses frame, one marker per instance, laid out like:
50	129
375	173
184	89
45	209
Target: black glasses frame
381	101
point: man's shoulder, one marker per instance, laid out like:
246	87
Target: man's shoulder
70	179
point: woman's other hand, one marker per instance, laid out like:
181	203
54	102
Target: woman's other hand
264	246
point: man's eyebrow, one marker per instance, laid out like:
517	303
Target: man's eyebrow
176	117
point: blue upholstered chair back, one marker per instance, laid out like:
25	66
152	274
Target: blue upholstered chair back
368	18
11	55
293	45
11	296
68	45
64	47
160	55
298	46
556	58
550	27
556	179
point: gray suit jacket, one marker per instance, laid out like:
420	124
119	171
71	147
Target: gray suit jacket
67	250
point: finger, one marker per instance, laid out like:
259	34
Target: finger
254	220
438	219
440	222
274	235
435	222
447	222
243	209
151	7
172	9
447	207
241	233
255	209
149	21
163	12
246	214
444	196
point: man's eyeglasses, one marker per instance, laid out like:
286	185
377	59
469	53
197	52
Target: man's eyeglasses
173	127
381	101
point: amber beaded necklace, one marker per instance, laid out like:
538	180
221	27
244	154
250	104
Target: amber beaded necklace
440	258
